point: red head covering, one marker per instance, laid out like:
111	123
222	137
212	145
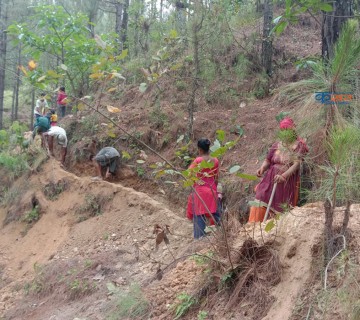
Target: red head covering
287	123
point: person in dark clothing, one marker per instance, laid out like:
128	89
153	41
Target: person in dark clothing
108	158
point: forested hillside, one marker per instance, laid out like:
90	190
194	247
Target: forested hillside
239	116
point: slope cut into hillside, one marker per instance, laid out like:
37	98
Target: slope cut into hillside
97	222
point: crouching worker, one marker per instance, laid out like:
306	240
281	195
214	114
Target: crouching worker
108	158
42	124
60	135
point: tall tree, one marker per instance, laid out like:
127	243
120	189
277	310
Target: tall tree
332	24
3	40
267	47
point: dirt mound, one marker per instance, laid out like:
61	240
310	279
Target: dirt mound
292	241
82	219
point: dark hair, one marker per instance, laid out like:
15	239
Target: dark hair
91	157
204	144
42	94
52	111
62	89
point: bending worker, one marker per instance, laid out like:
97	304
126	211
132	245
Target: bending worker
60	135
108	158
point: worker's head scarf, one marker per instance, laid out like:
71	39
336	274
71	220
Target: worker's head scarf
287	123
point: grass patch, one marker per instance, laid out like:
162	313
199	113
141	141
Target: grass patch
32	216
92	206
70	279
131	305
53	189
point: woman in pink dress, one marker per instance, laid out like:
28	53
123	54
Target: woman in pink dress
202	204
282	165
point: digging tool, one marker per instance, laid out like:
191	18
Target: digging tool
270	201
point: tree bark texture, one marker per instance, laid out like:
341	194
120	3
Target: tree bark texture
267	46
196	27
32	109
124	24
3	39
346	217
17	84
118	23
332	23
329	217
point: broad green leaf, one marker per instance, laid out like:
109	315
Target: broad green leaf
216	146
206	164
153	166
247	176
270	225
219	152
277	19
111	90
220	135
173	34
326	7
96	75
111	134
181	138
234	169
188	183
42	78
140	161
257	203
118	75
64	67
53	74
156	58
279	28
125	155
123	54
143	87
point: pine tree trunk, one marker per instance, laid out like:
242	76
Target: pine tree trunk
329	217
32	109
118	24
332	24
3	39
13	101
267	47
124	25
196	27
17	85
346	217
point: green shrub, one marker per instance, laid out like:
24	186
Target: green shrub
15	165
32	216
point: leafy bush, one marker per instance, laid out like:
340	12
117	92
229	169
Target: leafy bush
15	165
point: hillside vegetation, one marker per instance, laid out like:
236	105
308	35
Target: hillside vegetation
150	79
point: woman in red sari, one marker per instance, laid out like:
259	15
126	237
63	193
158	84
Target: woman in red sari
205	207
282	165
